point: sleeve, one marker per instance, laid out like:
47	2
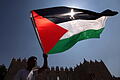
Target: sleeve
31	76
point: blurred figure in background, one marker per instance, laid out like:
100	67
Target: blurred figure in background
23	73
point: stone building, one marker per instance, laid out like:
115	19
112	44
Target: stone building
15	65
88	70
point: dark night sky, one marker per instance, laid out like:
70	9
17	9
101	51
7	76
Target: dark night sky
18	39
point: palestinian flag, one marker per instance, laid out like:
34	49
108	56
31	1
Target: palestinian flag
59	28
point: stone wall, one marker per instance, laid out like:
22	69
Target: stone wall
15	65
86	71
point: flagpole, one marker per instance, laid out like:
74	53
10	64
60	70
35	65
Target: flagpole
45	56
45	65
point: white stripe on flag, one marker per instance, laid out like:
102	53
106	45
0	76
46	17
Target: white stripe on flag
77	26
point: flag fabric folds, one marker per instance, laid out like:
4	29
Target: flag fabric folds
59	28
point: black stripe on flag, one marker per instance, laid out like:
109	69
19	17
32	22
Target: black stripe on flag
61	14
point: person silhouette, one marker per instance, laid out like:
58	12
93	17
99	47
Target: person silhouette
33	75
22	74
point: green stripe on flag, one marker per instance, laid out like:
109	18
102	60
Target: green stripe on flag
67	43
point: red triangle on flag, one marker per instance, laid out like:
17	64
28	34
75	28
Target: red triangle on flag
49	33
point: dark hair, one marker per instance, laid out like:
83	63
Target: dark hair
32	62
32	58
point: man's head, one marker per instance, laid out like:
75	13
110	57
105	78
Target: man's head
32	62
